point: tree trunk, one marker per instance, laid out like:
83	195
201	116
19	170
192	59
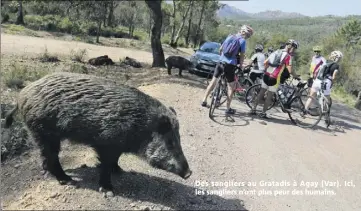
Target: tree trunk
98	31
173	26
358	101
150	24
105	14
20	17
111	13
189	24
200	23
158	54
182	25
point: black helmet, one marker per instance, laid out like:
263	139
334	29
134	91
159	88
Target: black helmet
270	49
259	48
294	43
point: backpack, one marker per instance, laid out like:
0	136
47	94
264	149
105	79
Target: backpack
231	47
324	70
274	59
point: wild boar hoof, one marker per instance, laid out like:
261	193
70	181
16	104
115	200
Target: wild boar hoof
106	193
68	182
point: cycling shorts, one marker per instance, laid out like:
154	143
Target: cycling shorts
284	76
316	86
229	71
253	76
269	83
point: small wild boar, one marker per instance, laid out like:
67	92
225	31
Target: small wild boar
112	119
178	62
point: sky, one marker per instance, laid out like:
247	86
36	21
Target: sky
305	7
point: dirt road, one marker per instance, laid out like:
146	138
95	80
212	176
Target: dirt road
246	155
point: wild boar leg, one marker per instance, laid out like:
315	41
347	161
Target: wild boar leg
180	71
108	158
50	148
115	167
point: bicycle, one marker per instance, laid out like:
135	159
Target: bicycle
242	81
219	90
240	75
323	106
285	96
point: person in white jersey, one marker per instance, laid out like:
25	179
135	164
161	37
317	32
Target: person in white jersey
258	63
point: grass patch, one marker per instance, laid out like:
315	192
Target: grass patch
78	68
339	94
17	75
79	55
47	57
18	30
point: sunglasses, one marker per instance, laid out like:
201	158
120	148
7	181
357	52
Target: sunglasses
317	51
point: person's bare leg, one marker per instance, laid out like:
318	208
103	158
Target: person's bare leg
209	88
230	93
309	100
329	102
268	101
259	98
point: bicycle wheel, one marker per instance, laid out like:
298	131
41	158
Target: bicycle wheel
298	109
304	94
209	77
223	92
245	84
252	93
215	96
326	109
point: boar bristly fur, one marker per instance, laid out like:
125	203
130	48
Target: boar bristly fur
112	119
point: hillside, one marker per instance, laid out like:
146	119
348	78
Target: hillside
231	12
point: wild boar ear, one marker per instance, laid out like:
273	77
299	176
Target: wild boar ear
164	125
173	110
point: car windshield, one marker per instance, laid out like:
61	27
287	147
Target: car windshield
210	47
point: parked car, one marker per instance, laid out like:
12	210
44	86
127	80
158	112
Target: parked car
205	58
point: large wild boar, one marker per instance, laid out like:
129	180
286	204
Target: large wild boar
178	62
112	119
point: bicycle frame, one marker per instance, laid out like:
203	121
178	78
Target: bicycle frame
241	75
322	98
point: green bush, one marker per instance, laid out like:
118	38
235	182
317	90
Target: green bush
4	18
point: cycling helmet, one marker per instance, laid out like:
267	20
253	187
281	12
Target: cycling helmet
247	30
270	49
336	54
259	48
317	48
294	43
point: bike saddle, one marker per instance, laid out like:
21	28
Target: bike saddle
301	84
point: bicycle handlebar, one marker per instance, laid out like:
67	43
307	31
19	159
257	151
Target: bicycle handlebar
240	69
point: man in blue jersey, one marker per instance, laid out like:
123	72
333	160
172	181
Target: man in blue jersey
227	64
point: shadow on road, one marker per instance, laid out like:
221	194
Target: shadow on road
143	187
345	113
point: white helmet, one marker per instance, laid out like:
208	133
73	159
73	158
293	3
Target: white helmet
336	54
247	30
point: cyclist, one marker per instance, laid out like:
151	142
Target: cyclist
285	74
271	78
258	63
334	58
270	50
228	64
316	63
